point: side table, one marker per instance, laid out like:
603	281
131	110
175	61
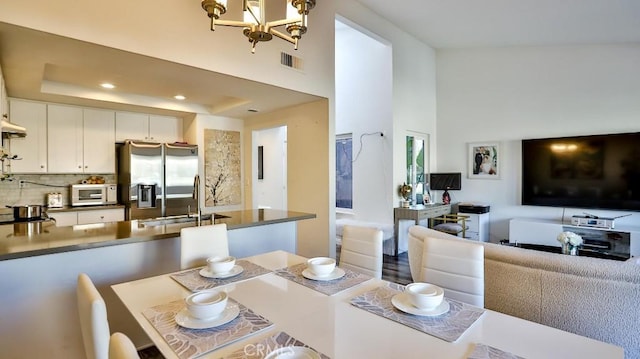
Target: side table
416	213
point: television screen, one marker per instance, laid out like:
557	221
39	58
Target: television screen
444	181
600	171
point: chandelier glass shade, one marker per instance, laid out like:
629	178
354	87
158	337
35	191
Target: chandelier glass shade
255	25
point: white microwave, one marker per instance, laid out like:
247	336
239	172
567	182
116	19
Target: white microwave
93	194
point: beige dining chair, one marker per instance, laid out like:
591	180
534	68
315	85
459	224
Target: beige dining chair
93	319
456	265
199	243
362	250
121	347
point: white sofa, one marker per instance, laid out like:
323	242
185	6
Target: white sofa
596	298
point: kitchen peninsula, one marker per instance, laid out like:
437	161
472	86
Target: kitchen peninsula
39	271
247	234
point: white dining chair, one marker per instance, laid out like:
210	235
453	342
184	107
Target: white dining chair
456	265
199	243
362	250
121	347
93	319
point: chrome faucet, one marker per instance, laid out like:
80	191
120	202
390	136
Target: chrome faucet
196	196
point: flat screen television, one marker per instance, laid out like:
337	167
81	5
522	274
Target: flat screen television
445	181
599	171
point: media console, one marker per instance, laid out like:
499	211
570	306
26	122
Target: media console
621	241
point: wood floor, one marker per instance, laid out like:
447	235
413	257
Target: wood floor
394	269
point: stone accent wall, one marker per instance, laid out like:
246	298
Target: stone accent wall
38	185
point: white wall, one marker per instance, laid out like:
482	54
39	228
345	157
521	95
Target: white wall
414	88
308	188
364	108
507	94
271	190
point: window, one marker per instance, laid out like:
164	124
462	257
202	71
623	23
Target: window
344	171
416	172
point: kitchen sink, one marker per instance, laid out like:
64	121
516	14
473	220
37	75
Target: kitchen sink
177	220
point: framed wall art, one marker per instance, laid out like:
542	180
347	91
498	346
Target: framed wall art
484	160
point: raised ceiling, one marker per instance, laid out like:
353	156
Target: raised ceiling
497	23
47	67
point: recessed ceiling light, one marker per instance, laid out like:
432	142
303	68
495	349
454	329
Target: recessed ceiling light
107	85
179	97
252	110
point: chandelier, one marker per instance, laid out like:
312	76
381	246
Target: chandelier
256	27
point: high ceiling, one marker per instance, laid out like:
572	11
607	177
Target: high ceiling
49	67
496	23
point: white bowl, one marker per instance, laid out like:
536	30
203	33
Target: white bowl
206	304
424	295
220	265
321	266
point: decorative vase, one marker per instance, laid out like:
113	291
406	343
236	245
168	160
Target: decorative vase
568	249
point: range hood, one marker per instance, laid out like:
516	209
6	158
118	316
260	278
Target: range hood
11	129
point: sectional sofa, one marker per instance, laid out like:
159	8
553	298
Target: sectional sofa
593	297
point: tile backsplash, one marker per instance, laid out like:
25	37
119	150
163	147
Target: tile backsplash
38	185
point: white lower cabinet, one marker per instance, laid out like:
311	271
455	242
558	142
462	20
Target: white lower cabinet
88	216
478	226
64	219
100	216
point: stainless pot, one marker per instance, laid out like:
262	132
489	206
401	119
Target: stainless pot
26	213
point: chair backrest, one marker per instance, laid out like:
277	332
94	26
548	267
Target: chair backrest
362	250
121	347
199	243
417	234
93	319
456	265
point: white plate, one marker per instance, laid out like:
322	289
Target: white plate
228	314
337	273
401	301
205	272
293	353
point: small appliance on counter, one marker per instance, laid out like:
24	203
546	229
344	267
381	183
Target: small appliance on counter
93	194
54	200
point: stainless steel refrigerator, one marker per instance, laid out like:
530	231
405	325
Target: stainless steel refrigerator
157	180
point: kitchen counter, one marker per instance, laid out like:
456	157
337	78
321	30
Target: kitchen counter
21	240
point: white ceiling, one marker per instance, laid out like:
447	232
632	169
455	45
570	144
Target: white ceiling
48	67
497	23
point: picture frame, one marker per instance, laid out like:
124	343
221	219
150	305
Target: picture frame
484	161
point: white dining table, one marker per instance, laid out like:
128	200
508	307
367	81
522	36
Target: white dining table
338	329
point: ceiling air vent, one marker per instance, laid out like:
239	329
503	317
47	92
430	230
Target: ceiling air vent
291	61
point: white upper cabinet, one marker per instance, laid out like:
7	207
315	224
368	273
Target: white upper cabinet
132	126
151	128
80	140
165	128
99	137
64	148
32	150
